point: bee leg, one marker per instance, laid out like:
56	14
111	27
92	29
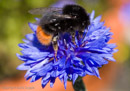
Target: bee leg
54	43
81	33
73	37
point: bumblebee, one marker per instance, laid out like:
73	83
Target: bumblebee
54	21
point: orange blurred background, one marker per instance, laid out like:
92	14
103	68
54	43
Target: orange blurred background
114	76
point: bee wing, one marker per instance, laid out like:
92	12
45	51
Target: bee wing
49	15
63	16
55	17
42	10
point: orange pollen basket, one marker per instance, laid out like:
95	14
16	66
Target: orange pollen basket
43	37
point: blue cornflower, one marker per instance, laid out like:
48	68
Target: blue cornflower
72	61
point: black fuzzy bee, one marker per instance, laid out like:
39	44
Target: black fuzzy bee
70	18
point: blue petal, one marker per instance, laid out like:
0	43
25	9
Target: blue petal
97	20
34	53
39	65
33	27
23	67
34	78
108	57
37	19
111	46
75	76
29	76
28	73
61	77
35	61
52	81
23	45
46	77
26	41
65	80
98	59
88	68
22	57
115	50
30	36
54	73
95	70
92	15
43	70
44	83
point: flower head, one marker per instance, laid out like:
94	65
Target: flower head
72	61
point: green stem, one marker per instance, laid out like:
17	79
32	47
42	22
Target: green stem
79	85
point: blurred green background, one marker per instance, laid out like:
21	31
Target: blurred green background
14	18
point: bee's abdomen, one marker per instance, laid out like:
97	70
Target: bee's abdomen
43	37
